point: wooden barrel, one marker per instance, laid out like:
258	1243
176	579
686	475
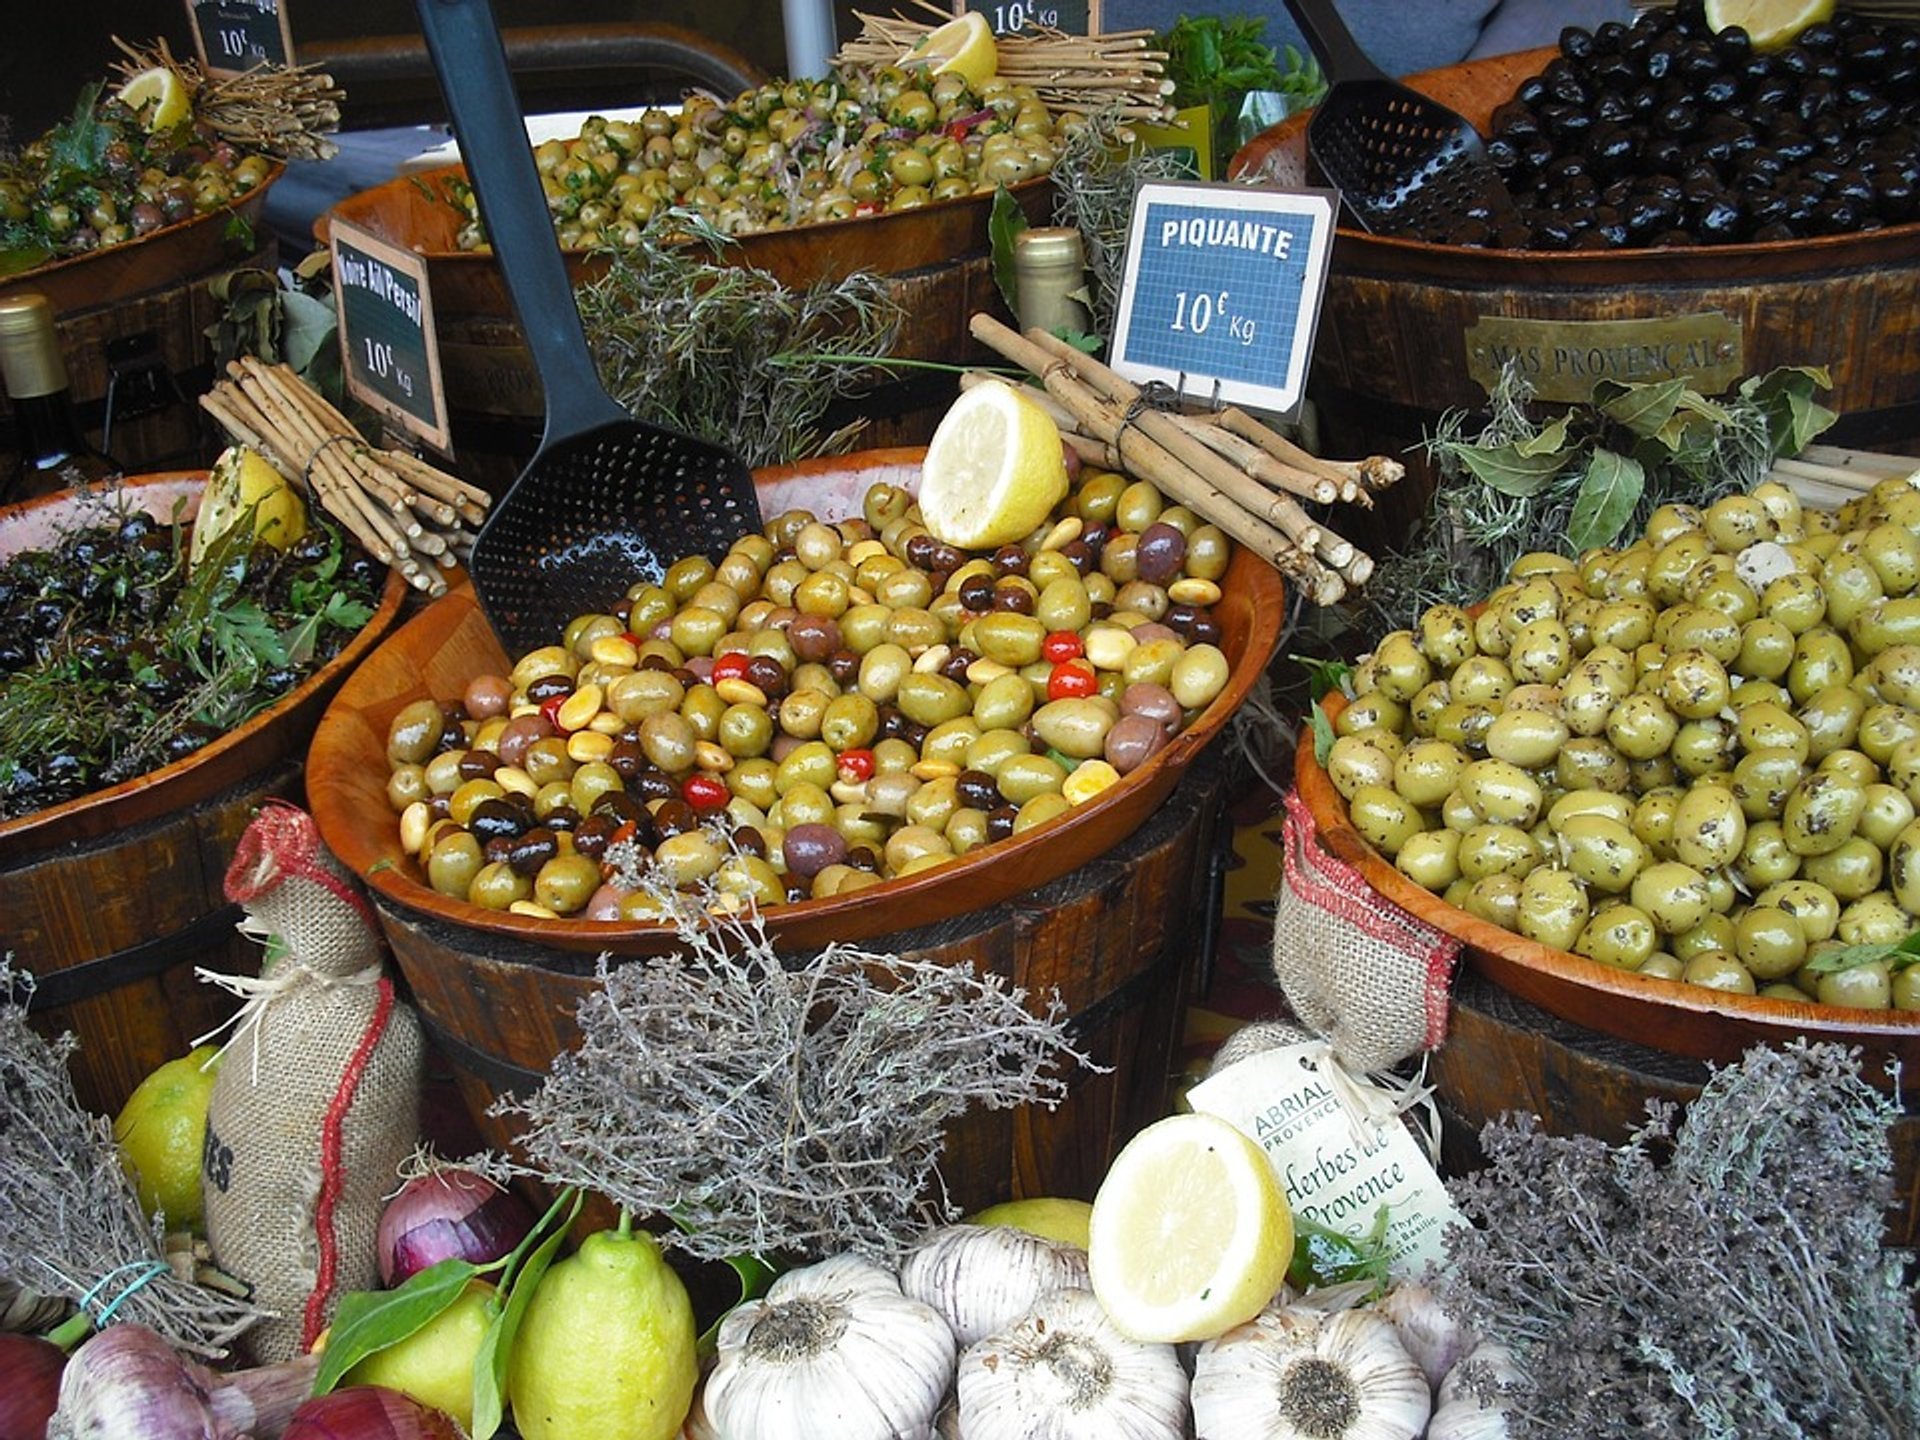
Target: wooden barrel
1410	330
132	321
935	261
113	898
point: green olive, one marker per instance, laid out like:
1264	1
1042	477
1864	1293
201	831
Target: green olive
1075	727
1623	624
1766	649
1384	818
1694	684
1822	813
455	860
1851	870
1553	907
1674	895
1541	652
1021	777
1702	747
1860	987
1653	819
1764	858
1885	812
1399	666
1528	738
1832	718
1446	637
1496	899
1762	780
1642	726
565	883
1603	853
1584	764
1718	970
1496	850
497	886
1708	828
1619	935
1481	680
1427	771
1430	859
1427	706
1589	802
1501	793
1904	991
1661	966
1588	696
1769	942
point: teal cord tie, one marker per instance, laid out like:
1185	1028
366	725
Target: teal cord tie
149	1271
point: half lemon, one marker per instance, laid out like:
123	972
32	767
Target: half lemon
962	47
994	469
160	94
1770	24
243	482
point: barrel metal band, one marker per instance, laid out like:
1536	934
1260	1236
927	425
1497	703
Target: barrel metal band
56	988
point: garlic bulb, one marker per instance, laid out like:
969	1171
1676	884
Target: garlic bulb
1064	1373
1434	1339
985	1277
1461	1414
834	1349
1294	1374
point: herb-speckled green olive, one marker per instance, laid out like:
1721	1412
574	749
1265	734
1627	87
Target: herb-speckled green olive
1766	649
1764	858
1850	871
1430	859
1886	811
1822	813
1622	936
1693	684
1541	652
1369	712
1534	598
1400	669
1624	624
1769	726
1859	987
1708	828
1501	794
1642	726
1428	771
1904	991
1850	585
1875	919
1590	764
1588	696
1424	710
1661	966
1465	726
1495	899
1894	553
1762	780
1895	674
1883	728
1795	601
1629	576
1497	850
1489	635
1758	692
1673	564
1703	747
1674	895
1653	819
1669	522
1769	942
1021	777
1648	661
1534	697
1903	869
1730	595
1832	717
1481	680
1718	970
1527	738
1352	762
1611	804
1074	727
1713	933
1384	818
1734	522
1821	659
1457	814
1553	907
1602	852
1814	907
1446	637
1721	891
1902	768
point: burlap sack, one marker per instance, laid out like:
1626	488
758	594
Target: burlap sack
317	1100
1355	967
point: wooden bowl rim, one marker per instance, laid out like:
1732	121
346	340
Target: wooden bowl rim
1497	953
347	832
159	786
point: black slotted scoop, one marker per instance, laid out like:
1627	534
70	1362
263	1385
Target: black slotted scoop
606	499
1403	163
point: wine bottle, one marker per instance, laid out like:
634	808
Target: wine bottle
53	453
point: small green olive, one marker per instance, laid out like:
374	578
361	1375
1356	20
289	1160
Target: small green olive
1496	850
1584	764
1619	935
1553	907
1384	818
1446	637
1501	793
1602	852
1528	738
1764	858
1642	726
1427	771
1708	828
1851	870
1822	813
1431	859
1672	894
1496	899
1718	970
1860	987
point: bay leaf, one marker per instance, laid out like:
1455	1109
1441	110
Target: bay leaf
1609	492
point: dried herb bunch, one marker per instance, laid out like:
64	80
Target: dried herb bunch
73	1225
281	110
791	1110
1739	1289
727	352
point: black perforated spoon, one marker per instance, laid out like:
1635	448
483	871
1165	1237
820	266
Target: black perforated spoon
606	500
1403	163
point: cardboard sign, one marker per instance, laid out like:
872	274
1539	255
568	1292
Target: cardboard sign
233	36
1222	289
386	331
1338	1169
1016	17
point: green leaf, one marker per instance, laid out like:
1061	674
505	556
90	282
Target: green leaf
1323	736
1852	957
310	324
496	1346
1642	408
1504	468
1323	676
1551	440
755	1276
1323	1256
1807	418
1609	492
370	1321
1006	221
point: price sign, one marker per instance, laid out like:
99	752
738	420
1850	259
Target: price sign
1221	290
1015	17
233	36
386	331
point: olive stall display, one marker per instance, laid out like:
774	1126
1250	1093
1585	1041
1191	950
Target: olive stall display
829	706
1696	757
862	142
1666	132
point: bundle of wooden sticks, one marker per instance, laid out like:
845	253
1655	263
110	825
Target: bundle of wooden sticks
1825	477
1224	465
403	511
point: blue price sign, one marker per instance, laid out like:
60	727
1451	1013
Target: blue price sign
1222	290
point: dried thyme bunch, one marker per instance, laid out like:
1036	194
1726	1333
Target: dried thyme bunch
73	1226
1736	1291
1095	180
727	352
783	1110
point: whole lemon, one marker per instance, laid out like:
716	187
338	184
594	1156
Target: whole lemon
161	1131
1048	1216
607	1346
434	1365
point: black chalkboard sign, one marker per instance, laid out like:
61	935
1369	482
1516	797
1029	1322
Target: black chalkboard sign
233	36
386	331
1015	17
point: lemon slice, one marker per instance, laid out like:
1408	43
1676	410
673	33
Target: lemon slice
962	47
994	469
1191	1234
242	482
1770	24
162	88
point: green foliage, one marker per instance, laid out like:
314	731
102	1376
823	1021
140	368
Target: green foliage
1005	225
1221	62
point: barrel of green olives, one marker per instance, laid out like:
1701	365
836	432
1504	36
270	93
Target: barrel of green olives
115	897
1413	328
133	318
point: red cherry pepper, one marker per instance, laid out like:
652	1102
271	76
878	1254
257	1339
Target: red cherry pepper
730	666
1062	645
855	766
550	708
1072	680
706	792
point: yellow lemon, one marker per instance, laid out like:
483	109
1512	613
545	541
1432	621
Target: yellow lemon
243	482
994	469
1770	24
161	1131
962	47
162	88
607	1346
434	1365
1191	1234
1047	1216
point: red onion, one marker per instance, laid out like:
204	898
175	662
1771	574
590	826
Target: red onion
126	1381
29	1385
370	1412
448	1214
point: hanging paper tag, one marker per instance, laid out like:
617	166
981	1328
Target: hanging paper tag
233	36
1339	1157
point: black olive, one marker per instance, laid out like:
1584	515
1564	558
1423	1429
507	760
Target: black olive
493	817
1822	171
1565	169
1612	106
1568	89
562	817
1852	185
1576	43
1696	60
1613	76
1531	92
651	784
1829	67
1552	232
1648	215
1678	118
1816	99
1658	59
1734	46
1607	38
1719	90
1757	169
1609	148
1765	207
1819	38
1894	197
136	527
1643	99
1772	95
1565	122
1775	231
1501	153
1719	219
1836	217
1513	234
1661	153
1871	117
1673	239
1515	120
1618	193
1801	201
1793	146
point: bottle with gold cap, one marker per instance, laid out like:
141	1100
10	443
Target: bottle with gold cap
52	452
1049	266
